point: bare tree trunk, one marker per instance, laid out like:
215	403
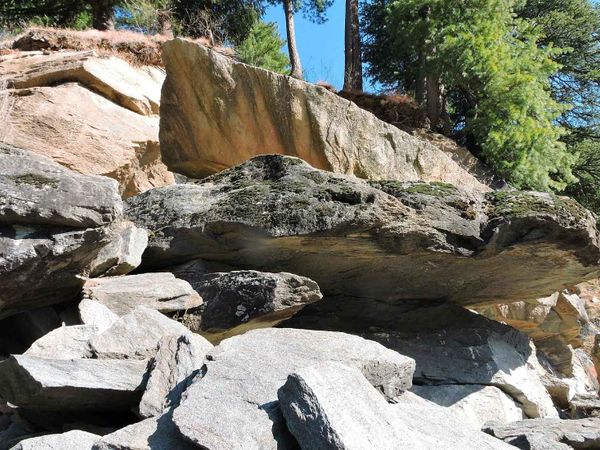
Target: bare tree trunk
102	15
353	80
296	71
434	101
420	81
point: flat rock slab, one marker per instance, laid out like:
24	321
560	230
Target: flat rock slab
124	253
71	385
159	291
135	335
70	342
238	301
71	440
217	112
473	404
156	433
541	434
424	241
331	406
234	406
178	360
37	191
95	314
137	89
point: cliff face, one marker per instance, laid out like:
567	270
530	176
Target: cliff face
315	297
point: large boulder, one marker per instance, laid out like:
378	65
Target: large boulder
549	434
238	301
87	133
159	291
71	440
71	385
53	224
70	342
134	88
424	241
124	253
234	405
217	113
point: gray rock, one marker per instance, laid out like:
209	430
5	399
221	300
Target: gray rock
135	335
234	405
71	440
238	301
549	434
159	291
64	343
95	314
36	190
53	223
331	406
435	427
71	385
426	242
216	113
124	253
472	404
156	433
178	360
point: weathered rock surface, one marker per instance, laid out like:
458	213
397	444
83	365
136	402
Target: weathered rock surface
64	343
124	253
37	191
71	385
53	223
95	314
134	88
238	301
450	345
71	440
424	242
541	434
88	134
178	360
159	291
474	405
156	433
331	406
217	113
135	335
234	405
555	324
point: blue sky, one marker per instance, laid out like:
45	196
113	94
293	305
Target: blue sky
321	47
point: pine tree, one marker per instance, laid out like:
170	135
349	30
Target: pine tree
262	48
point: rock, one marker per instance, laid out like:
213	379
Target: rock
71	385
134	88
97	315
554	323
71	440
583	406
178	360
53	223
451	345
217	113
135	335
331	406
424	242
22	330
156	433
238	301
64	343
234	405
473	405
37	191
159	291
541	434
88	134
124	253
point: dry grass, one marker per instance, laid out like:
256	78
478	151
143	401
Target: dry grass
137	48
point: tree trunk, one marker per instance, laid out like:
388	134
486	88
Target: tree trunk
434	101
420	83
296	70
102	15
353	80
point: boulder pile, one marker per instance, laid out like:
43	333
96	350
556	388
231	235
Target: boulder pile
356	289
